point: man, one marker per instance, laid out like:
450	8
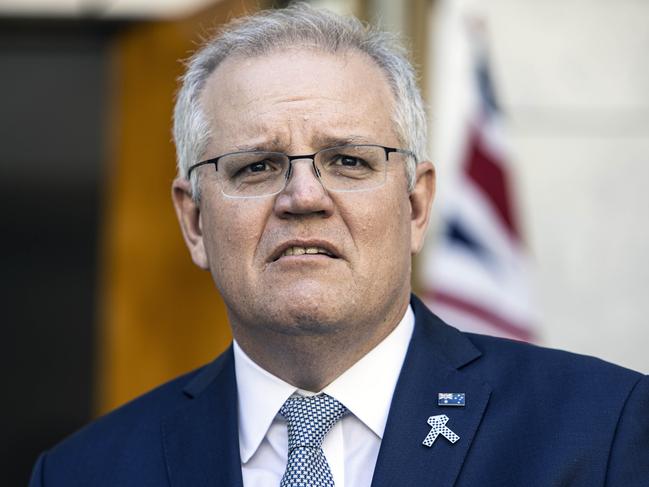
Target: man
302	188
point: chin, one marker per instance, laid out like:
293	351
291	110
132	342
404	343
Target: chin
303	317
307	314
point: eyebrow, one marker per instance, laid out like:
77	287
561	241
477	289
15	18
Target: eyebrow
319	141
265	146
323	141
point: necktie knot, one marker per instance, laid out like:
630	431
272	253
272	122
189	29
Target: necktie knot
309	419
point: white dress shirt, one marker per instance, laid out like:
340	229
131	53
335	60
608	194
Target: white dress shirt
352	445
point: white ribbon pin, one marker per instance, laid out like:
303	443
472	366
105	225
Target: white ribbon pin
438	427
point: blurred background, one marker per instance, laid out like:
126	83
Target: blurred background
539	128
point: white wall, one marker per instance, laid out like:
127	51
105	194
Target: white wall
573	78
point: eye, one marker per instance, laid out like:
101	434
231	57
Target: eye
259	166
262	167
349	161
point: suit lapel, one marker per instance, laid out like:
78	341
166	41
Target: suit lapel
201	440
432	365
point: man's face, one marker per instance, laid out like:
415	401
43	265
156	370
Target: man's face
298	102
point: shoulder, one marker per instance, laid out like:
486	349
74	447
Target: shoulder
584	390
532	366
135	418
126	442
536	387
511	364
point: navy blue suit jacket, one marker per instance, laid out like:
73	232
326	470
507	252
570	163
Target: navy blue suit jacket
533	417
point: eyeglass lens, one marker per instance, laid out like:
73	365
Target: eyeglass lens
345	168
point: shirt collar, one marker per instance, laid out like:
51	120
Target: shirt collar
261	395
365	388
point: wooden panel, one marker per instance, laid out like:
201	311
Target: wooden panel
159	315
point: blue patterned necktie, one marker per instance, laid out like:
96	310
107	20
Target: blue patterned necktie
309	419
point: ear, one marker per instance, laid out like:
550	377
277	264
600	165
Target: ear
421	199
189	216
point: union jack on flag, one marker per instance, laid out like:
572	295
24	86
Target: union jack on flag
451	399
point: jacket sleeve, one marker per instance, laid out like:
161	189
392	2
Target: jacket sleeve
628	463
37	473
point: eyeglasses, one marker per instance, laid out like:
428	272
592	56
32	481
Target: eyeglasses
346	168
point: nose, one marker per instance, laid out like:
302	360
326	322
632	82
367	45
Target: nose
303	193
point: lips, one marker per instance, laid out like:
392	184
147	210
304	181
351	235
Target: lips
299	248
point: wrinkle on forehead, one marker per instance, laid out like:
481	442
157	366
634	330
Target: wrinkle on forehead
317	141
290	99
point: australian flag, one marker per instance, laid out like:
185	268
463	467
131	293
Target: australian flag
450	399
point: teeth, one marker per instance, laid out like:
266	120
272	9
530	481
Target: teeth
305	250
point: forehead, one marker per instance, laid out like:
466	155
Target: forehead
296	98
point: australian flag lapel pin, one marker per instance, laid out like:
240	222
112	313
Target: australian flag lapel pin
451	399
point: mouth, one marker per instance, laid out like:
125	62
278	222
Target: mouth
298	249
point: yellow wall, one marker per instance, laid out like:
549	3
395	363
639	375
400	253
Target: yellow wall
159	315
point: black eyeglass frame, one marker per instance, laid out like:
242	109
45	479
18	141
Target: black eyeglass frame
215	160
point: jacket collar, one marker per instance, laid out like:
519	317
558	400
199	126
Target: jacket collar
200	440
436	362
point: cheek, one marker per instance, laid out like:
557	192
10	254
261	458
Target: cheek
396	234
382	233
231	232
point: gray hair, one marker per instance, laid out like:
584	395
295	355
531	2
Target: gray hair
298	24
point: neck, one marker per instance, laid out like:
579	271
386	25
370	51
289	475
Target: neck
311	361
